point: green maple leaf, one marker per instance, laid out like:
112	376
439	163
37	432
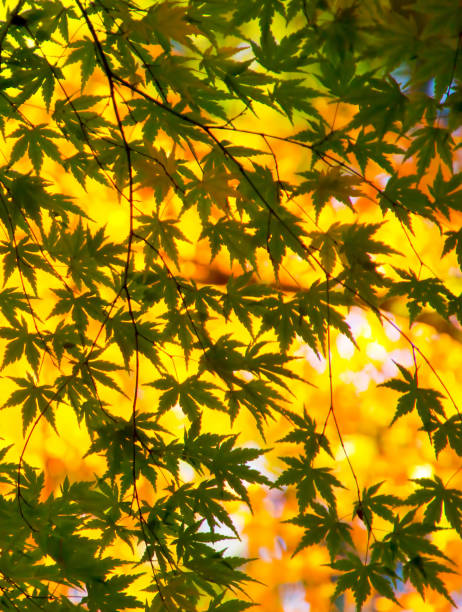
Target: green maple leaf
37	141
309	481
454	241
449	432
192	395
280	56
232	605
12	300
243	298
161	234
428	142
425	572
436	497
368	146
26	254
33	398
372	503
323	526
446	193
84	53
304	432
425	401
361	577
421	292
331	183
407	539
21	342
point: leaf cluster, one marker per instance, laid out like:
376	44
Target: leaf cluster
157	106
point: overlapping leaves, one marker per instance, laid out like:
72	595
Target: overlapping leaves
98	89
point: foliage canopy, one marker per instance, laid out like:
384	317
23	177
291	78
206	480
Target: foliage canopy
312	143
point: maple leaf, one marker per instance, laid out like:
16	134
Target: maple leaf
423	571
448	432
428	141
372	503
191	395
33	398
21	342
170	21
361	577
156	169
326	526
331	183
436	496
420	292
308	481
426	401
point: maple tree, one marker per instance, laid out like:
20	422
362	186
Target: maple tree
231	299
